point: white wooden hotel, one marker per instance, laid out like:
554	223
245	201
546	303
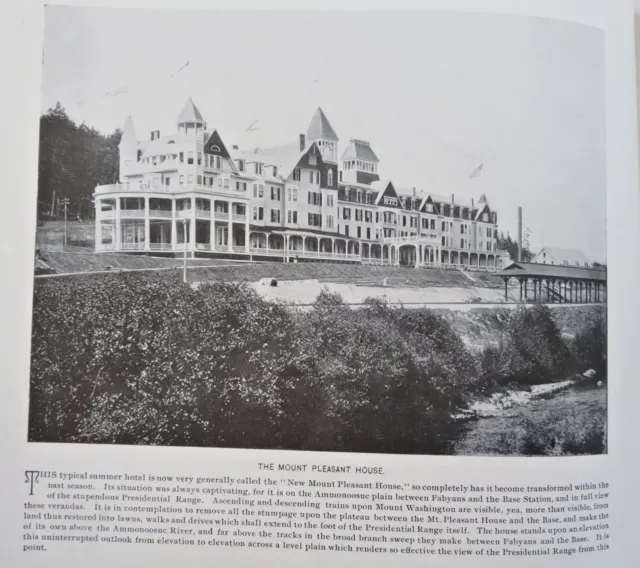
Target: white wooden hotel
301	202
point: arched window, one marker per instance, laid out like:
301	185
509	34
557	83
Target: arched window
214	148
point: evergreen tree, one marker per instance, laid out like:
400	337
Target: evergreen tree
73	160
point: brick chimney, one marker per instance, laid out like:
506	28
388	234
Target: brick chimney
302	142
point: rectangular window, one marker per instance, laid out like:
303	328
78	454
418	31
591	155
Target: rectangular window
241	165
317	178
260	213
181	180
329	221
189	157
329	200
258	168
314	220
181	157
255	190
254	213
226	183
346	230
358	230
295	194
295	217
260	191
199	158
312	160
296	174
368	233
346	213
199	180
289	192
311	176
275	216
275	193
314	198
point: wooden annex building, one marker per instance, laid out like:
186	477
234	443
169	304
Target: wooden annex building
555	283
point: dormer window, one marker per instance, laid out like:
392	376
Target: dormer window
312	160
258	168
275	171
429	207
241	165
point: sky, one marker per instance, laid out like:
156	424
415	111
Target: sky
435	93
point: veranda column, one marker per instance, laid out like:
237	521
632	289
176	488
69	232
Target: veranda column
117	237
520	280
98	226
192	225
230	227
147	231
174	230
526	292
246	231
212	223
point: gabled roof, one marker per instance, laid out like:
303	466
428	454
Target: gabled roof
158	147
482	208
190	113
553	271
387	190
359	149
285	157
320	129
214	139
560	255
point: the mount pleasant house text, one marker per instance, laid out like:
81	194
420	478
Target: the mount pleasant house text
189	190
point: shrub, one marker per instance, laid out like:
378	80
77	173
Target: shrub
530	348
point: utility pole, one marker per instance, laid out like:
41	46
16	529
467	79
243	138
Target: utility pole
65	204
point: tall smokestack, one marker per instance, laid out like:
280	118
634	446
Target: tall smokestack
519	234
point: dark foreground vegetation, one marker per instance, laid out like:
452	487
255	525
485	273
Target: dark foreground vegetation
145	359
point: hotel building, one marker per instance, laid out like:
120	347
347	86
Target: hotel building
189	191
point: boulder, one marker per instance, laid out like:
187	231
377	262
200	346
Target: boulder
589	374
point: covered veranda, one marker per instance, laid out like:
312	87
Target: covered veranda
550	283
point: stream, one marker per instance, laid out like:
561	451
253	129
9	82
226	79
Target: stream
475	435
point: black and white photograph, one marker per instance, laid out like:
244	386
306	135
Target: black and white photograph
337	231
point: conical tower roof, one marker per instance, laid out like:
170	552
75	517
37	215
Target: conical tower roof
320	128
128	132
190	113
